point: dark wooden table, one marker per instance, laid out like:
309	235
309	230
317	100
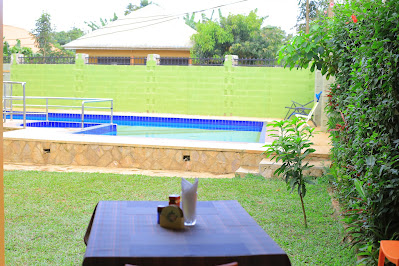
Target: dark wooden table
126	232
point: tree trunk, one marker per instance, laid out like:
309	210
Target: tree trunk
330	6
307	16
303	209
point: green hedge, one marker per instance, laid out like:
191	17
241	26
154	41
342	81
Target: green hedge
364	119
360	47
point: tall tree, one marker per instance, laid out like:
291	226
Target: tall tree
330	7
190	20
211	40
64	37
237	34
316	9
242	27
43	34
307	17
264	44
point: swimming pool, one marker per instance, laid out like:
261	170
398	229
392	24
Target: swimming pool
156	127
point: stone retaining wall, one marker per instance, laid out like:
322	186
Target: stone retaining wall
128	156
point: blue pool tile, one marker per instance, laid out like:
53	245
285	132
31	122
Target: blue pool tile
74	120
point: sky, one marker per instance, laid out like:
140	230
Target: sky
73	13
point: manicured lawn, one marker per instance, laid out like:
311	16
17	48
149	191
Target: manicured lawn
47	213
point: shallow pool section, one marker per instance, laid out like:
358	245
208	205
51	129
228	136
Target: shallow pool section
188	129
157	127
189	133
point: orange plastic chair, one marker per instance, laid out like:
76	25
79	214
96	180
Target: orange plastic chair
389	249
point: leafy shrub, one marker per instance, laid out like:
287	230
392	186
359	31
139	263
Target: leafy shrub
360	47
17	48
291	147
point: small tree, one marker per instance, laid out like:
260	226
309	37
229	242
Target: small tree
103	22
64	37
292	146
130	7
190	20
16	49
43	34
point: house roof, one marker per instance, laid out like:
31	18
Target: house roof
12	34
150	27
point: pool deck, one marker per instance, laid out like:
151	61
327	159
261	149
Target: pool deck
165	153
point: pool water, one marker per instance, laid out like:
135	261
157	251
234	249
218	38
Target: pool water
155	127
189	133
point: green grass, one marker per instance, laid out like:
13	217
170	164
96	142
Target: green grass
47	213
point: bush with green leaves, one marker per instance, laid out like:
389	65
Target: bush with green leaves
360	47
241	35
17	48
291	147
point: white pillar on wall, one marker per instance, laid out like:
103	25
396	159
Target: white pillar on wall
151	58
231	60
85	57
17	58
322	84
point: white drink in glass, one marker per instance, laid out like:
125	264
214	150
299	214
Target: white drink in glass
189	202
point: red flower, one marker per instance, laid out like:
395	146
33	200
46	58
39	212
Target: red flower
354	18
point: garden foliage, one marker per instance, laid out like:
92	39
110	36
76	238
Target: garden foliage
291	147
317	9
17	48
360	47
238	35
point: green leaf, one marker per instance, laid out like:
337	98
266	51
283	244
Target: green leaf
315	27
309	182
359	188
312	67
370	160
309	55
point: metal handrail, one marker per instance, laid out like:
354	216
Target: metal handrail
11	104
97	100
84	101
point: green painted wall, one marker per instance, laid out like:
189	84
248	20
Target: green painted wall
193	90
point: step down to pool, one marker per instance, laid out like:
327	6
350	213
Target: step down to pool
245	170
268	167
